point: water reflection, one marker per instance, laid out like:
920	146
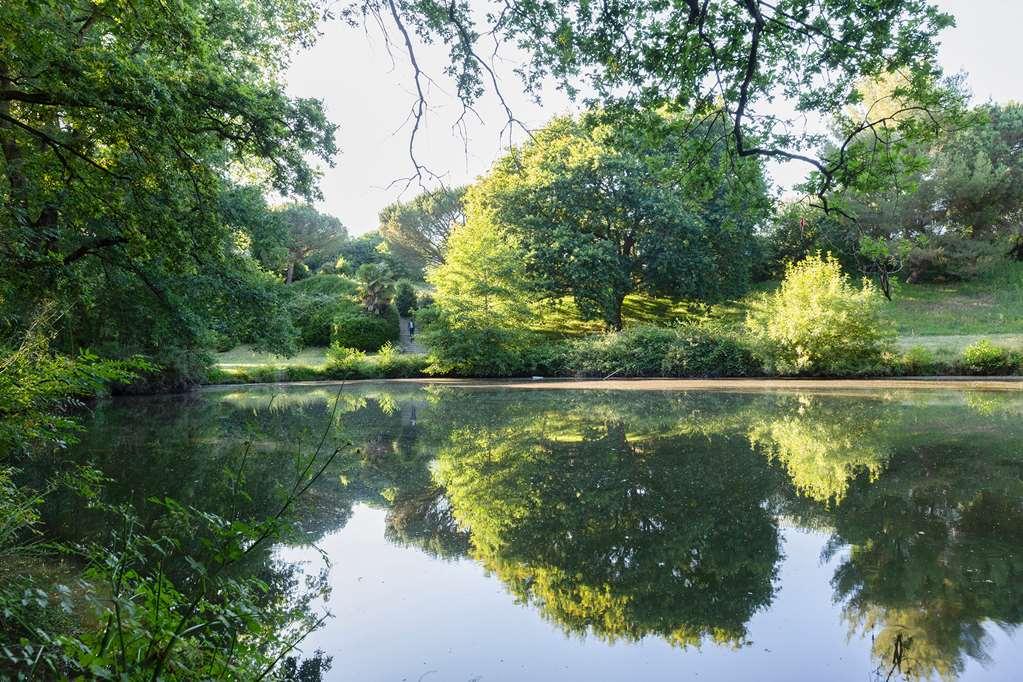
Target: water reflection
625	516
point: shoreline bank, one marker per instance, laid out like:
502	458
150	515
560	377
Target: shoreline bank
962	383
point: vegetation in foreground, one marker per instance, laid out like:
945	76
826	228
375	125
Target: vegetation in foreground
141	143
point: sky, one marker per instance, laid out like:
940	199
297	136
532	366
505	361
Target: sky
368	92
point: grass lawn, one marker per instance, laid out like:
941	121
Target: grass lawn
243	356
990	305
948	347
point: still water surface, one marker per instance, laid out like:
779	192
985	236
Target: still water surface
502	534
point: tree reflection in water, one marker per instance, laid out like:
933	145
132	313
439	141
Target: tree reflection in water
633	514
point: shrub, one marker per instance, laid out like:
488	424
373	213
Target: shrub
404	297
174	370
916	361
362	330
341	358
818	322
424	300
646	351
951	258
985	358
635	351
325	285
391	363
316	302
698	352
472	351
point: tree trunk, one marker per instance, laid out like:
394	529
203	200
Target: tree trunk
886	283
291	272
614	321
1016	252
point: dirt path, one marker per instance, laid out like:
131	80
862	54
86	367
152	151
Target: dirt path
407	344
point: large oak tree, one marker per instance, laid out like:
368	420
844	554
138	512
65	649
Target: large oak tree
601	210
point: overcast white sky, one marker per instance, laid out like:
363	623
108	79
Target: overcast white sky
370	96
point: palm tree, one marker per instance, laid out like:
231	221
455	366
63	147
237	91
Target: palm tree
376	287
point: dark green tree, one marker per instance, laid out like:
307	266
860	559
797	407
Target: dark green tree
119	125
307	231
602	209
404	297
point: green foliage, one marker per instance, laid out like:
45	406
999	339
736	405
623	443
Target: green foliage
705	352
416	231
371	248
483	351
632	352
818	322
306	231
335	286
918	361
342	358
392	363
983	357
723	57
389	363
604	206
316	302
39	389
343	363
645	351
121	128
19	516
424	299
362	330
376	287
482	282
944	206
796	231
405	297
164	604
951	257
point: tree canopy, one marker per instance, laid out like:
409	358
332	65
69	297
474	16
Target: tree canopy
307	230
724	60
121	126
418	229
601	210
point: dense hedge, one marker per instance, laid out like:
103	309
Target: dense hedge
315	303
359	366
404	297
686	351
489	352
359	329
647	351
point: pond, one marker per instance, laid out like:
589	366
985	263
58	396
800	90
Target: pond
487	533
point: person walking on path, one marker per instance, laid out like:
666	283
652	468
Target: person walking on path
406	332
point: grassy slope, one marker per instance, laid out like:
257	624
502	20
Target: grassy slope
990	305
945	318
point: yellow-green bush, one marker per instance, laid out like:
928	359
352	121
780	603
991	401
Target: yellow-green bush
819	323
983	357
917	361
